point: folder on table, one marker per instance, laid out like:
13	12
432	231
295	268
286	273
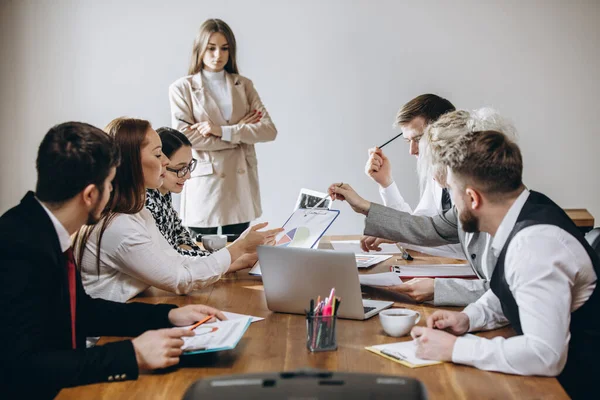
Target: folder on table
216	336
462	271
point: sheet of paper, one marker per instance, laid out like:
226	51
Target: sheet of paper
404	352
232	315
216	335
310	198
434	270
383	279
367	260
353	246
255	270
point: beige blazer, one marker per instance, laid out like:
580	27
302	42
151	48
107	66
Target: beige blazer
223	189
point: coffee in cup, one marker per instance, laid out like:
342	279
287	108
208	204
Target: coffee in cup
398	322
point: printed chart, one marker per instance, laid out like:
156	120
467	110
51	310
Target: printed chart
297	237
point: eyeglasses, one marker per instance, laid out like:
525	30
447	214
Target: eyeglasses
181	172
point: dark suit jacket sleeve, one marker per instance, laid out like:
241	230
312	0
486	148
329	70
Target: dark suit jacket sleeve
66	368
99	317
399	226
28	358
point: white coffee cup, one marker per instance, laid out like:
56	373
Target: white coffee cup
214	242
398	322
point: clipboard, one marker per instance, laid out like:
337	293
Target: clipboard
303	229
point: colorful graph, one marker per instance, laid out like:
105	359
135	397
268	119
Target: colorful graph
297	237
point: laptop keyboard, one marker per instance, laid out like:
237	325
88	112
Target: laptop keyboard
368	309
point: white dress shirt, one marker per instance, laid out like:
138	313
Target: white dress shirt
63	235
429	205
134	256
219	90
550	275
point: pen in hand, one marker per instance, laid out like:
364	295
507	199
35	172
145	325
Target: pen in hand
391	140
197	324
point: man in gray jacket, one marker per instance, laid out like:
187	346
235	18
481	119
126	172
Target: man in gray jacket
442	229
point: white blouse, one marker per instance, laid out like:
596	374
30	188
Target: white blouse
134	256
219	90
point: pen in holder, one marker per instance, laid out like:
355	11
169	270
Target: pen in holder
320	323
321	333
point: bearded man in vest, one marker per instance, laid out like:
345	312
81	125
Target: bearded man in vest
544	282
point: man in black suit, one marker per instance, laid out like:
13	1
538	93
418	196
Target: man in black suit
45	312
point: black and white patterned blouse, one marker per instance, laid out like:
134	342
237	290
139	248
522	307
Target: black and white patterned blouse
169	224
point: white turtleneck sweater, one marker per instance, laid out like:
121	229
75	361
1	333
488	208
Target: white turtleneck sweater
216	83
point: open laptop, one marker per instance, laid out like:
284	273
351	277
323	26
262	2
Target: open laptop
293	276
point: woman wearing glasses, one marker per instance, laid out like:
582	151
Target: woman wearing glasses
223	117
125	253
178	149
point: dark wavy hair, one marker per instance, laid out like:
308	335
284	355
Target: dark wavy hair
172	140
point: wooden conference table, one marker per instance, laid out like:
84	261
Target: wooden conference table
279	344
582	218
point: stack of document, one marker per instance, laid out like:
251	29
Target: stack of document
463	271
447	251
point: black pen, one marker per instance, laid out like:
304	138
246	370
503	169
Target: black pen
190	124
394	354
391	140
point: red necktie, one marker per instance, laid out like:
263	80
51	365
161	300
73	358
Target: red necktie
72	289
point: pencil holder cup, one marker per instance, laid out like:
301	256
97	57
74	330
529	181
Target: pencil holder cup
321	333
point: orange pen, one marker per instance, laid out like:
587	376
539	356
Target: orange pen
197	324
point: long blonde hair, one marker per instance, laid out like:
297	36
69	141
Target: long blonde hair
209	27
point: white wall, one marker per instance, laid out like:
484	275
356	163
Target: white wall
331	73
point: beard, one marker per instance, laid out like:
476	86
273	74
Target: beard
468	221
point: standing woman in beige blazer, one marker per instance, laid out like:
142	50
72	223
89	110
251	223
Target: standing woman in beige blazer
223	116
